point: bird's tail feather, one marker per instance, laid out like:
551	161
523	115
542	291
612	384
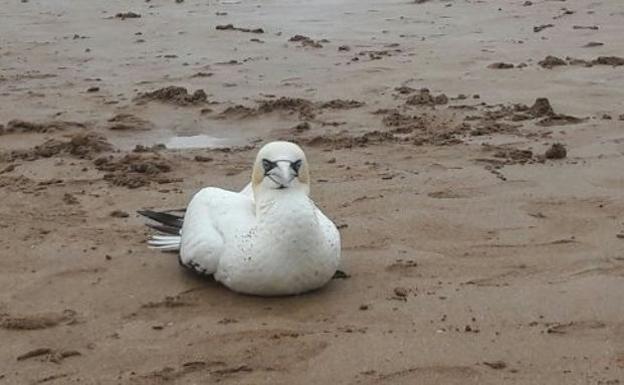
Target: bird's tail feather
168	224
165	242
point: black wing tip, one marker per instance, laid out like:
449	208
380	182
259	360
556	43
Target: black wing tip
150	213
164	229
172	223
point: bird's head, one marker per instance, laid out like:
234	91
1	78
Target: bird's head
281	166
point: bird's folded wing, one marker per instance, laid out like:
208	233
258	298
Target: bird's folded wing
214	224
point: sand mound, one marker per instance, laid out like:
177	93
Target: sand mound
79	146
125	122
175	95
23	126
134	170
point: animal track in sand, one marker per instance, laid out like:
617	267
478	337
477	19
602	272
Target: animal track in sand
502	279
37	321
52	355
575	327
450	194
282	350
448	375
168	374
611	268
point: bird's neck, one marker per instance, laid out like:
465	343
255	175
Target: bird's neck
270	201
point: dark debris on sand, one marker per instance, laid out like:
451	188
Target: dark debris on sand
551	62
127	15
306	41
500	66
231	27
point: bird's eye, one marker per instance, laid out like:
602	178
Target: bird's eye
268	165
296	165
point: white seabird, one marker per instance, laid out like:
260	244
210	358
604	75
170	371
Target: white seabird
269	239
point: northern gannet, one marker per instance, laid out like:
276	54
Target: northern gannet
268	239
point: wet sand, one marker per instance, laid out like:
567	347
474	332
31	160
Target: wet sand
477	183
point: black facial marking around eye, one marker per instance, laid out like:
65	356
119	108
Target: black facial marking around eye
268	165
295	166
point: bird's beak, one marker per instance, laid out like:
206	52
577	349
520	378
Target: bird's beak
282	175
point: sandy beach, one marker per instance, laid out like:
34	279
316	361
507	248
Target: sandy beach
470	152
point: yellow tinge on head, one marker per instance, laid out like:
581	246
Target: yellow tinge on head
279	151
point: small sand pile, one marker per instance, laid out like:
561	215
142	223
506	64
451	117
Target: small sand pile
237	111
376	54
551	62
230	27
556	151
125	122
175	95
609	60
306	41
422	128
339	104
80	146
402	123
134	170
127	15
303	107
405	90
303	126
425	98
23	126
343	140
541	108
500	66
512	155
